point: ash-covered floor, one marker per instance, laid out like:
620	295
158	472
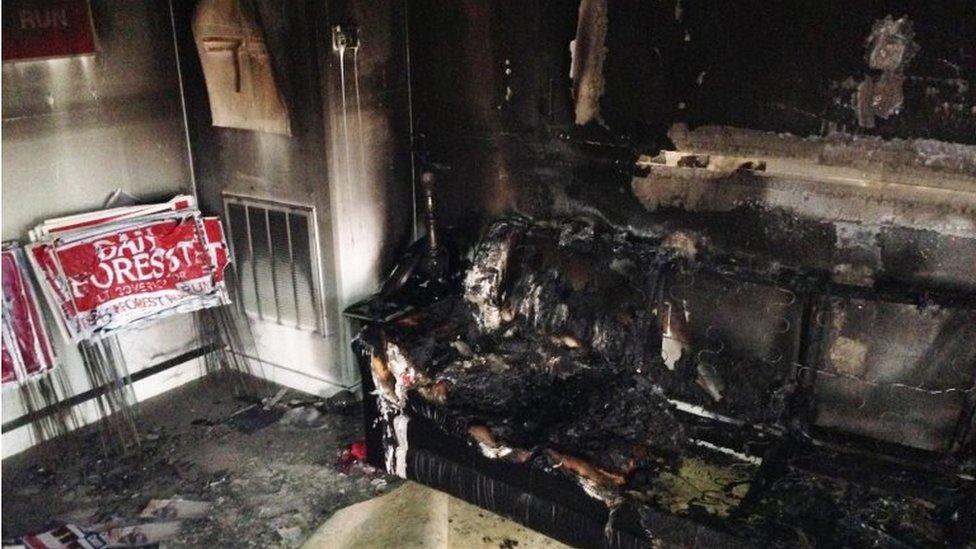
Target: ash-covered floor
271	487
274	479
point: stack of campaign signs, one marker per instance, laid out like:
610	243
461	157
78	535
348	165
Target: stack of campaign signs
27	351
112	270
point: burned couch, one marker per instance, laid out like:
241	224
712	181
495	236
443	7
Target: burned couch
612	390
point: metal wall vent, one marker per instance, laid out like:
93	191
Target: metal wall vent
274	248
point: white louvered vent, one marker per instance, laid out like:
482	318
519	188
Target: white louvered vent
274	247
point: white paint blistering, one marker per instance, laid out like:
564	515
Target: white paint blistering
673	341
532	302
482	283
727	451
387	411
400	423
393	418
402	369
697	410
671	351
395	445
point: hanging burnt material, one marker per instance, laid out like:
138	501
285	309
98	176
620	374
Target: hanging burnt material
891	47
588	53
237	68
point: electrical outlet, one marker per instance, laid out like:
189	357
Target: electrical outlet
344	37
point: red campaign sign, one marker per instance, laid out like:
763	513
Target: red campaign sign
67	535
135	273
37	29
9	370
27	349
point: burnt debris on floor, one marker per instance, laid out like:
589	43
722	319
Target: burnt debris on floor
660	376
266	480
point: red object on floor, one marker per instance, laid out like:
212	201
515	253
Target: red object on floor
355	452
358	450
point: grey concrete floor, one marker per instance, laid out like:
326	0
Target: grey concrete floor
277	486
269	488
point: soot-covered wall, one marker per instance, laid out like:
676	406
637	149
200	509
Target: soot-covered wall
349	163
781	67
865	115
493	101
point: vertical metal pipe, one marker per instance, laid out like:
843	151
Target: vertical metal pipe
359	112
427	180
186	125
413	159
